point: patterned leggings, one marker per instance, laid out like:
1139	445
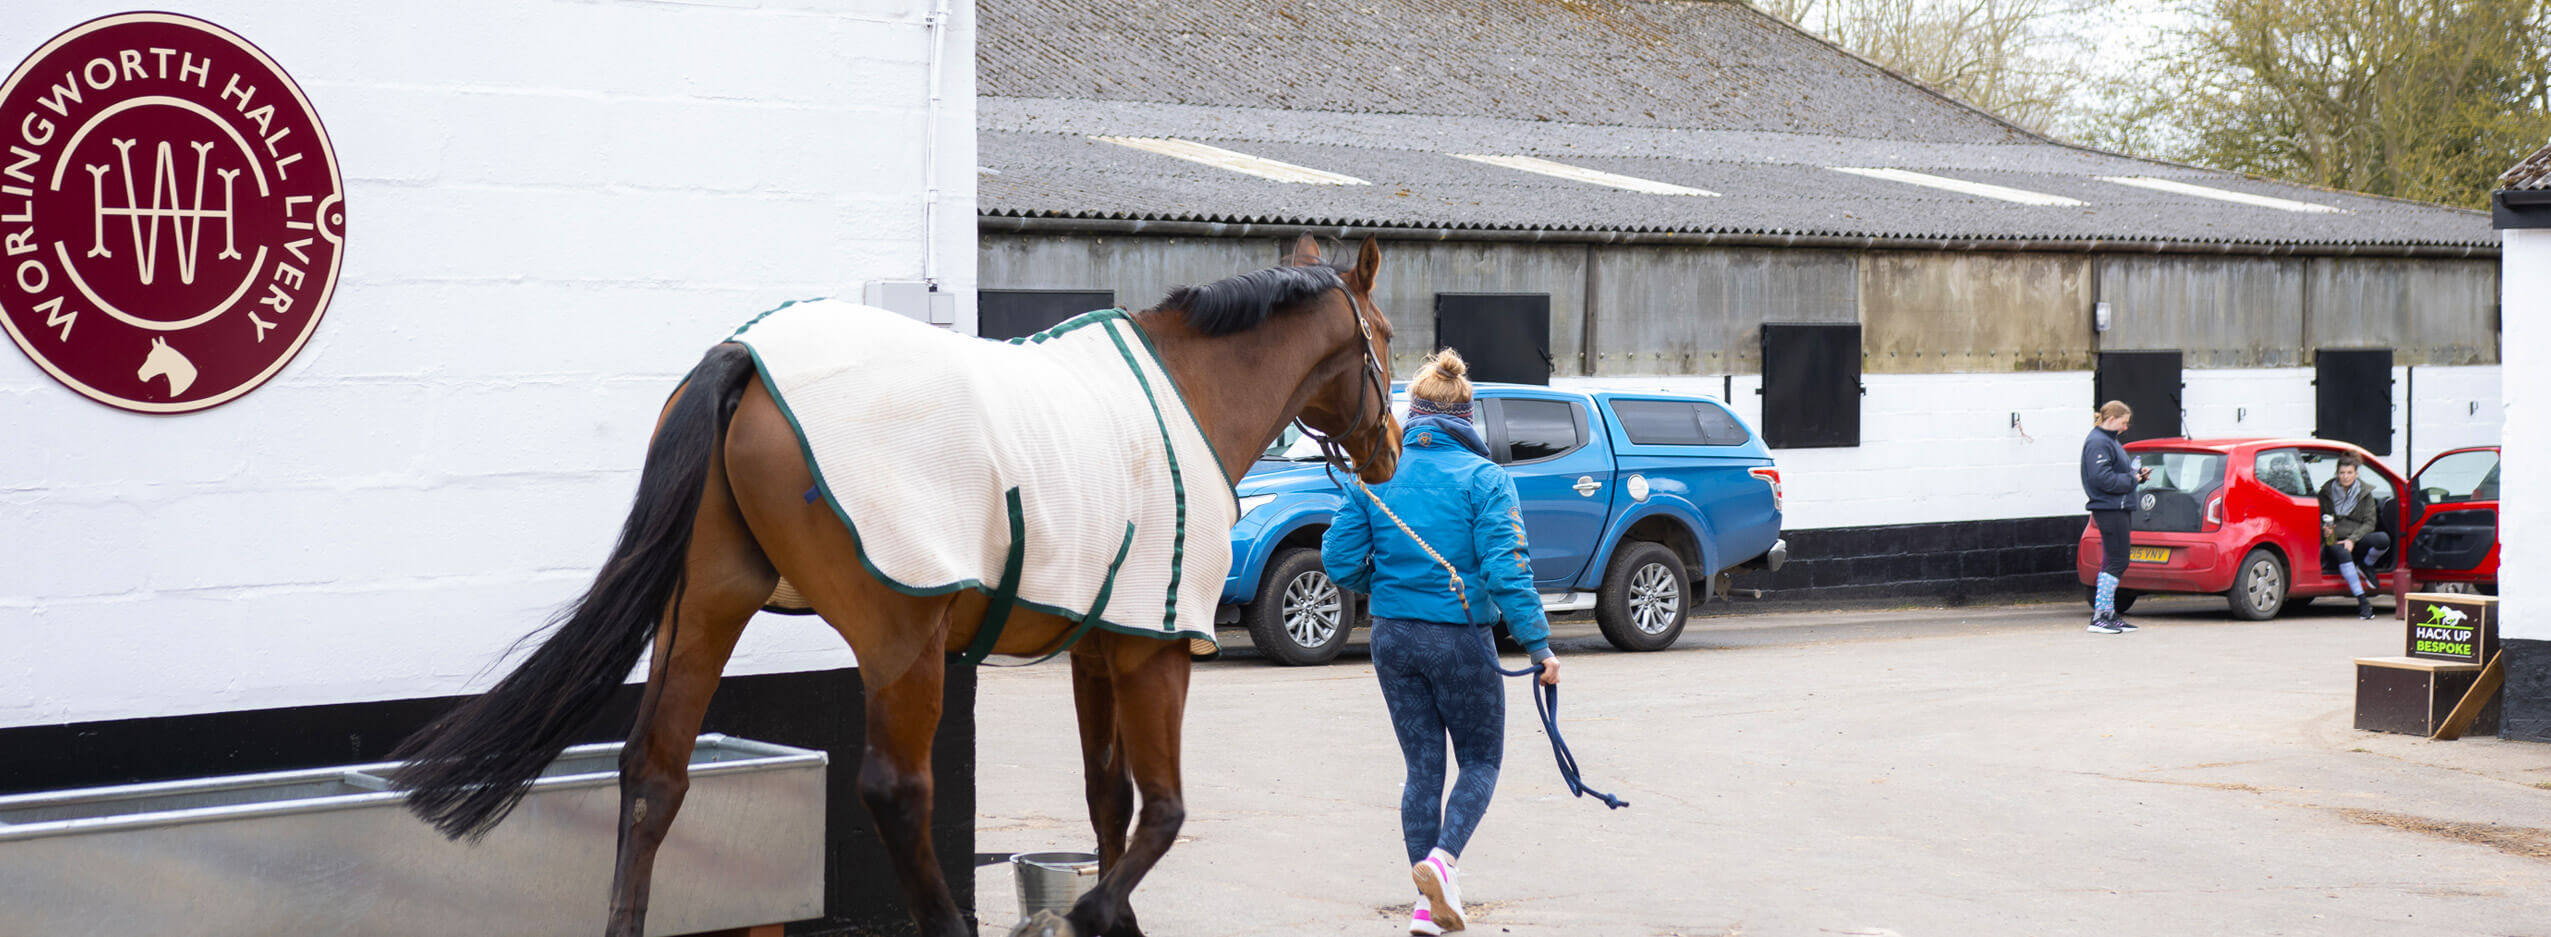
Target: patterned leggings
1439	681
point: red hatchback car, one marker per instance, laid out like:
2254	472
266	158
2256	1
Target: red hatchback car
2240	518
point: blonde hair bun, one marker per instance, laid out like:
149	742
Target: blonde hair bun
1444	378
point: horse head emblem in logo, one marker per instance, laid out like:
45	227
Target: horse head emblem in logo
166	362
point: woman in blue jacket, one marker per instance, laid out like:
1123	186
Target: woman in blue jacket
1431	643
2109	477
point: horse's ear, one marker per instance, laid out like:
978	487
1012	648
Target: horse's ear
1306	252
1368	263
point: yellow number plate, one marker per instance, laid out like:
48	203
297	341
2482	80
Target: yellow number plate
2149	554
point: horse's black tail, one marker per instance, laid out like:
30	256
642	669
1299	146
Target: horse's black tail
468	769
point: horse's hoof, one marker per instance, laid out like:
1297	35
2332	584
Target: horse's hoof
1044	924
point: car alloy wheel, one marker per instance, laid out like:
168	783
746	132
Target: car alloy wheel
1299	616
1644	596
1313	607
1656	600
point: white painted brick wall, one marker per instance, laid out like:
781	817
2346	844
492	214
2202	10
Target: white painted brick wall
1940	447
2524	514
553	209
2453	408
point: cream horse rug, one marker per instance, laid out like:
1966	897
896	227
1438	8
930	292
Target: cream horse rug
1062	468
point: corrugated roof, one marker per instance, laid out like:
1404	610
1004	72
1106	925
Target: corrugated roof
2533	173
1698	64
1708	95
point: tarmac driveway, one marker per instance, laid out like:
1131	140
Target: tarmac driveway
1921	772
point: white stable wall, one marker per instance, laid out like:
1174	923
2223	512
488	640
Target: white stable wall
553	208
2524	515
1938	448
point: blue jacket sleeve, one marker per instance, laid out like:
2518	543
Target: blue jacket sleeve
1505	564
1346	551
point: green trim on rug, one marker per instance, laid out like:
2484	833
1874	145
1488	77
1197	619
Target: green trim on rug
1177	479
1183	407
996	615
766	313
1073	324
1098	604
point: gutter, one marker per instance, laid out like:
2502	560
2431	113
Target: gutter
1023	224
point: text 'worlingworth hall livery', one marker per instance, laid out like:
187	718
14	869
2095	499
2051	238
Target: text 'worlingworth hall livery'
171	215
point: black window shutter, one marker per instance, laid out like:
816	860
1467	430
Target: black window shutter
1811	385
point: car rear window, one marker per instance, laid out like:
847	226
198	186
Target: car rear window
1678	423
2186	472
2172	498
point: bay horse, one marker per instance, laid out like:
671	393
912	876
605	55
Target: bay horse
721	517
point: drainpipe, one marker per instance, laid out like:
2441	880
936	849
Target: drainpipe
938	29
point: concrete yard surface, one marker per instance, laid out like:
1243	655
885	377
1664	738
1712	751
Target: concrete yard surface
1922	772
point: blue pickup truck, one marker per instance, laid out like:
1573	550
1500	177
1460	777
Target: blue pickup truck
1628	500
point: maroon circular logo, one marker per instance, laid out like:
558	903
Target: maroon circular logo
171	218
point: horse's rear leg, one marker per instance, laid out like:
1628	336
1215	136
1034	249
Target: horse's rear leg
1107	784
901	641
726	580
1148	679
895	782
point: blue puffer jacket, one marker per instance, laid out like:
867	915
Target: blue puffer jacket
2108	474
1464	505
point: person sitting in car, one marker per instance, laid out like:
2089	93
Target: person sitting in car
2349	539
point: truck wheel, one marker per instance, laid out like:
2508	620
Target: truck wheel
1300	616
1644	598
2258	591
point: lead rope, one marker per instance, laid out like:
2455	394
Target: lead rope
1546	698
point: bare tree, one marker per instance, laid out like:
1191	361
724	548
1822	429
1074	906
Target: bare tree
2009	57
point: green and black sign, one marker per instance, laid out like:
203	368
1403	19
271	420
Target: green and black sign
2452	626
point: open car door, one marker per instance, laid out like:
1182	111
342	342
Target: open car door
2453	531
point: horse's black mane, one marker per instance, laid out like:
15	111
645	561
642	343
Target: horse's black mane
1240	303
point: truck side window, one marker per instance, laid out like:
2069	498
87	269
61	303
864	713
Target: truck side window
1538	429
1678	423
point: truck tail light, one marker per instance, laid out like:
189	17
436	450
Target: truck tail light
1771	475
2214	513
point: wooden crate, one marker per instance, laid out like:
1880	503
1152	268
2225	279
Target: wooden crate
2412	695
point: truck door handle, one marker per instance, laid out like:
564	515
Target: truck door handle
1586	485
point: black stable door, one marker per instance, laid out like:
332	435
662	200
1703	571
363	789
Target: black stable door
1502	336
1007	314
2352	397
2149	382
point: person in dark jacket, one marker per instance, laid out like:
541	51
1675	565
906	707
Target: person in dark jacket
1432	647
2349	539
2109	477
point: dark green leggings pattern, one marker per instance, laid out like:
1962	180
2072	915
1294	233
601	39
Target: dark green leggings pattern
1440	682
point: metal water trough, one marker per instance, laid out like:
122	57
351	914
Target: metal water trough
333	851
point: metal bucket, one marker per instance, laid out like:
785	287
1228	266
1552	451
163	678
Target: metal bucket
1051	881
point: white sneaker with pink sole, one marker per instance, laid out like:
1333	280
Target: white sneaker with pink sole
1437	880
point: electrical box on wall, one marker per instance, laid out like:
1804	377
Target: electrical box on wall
914	298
